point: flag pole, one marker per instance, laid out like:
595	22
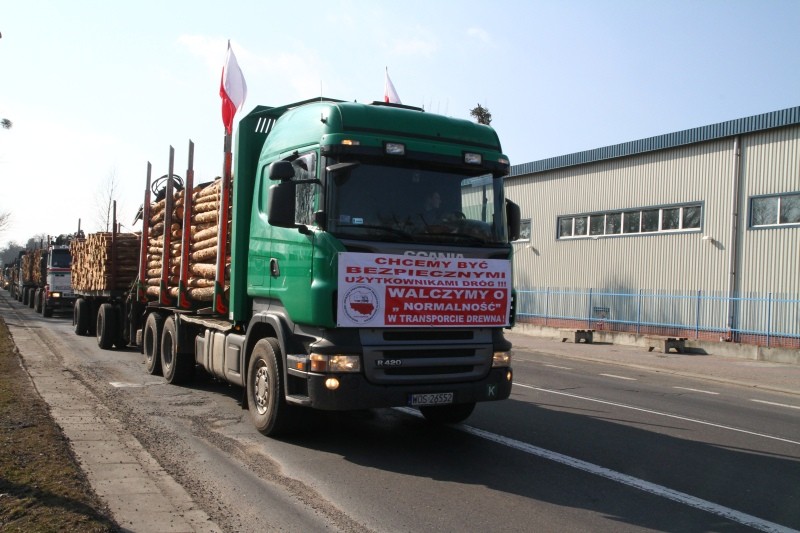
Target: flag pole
223	230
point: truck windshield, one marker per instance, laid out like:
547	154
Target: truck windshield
370	201
60	259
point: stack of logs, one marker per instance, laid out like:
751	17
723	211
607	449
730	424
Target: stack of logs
27	267
203	244
93	261
37	268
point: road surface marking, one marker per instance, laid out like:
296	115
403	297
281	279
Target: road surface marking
618	377
679	417
697	390
640	484
556	366
775	403
124	384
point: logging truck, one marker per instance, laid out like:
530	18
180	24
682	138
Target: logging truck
52	278
357	257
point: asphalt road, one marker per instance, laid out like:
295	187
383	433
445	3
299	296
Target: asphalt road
580	446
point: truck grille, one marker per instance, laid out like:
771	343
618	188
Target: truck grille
398	357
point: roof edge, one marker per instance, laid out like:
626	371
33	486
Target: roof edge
721	130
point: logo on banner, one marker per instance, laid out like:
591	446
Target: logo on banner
360	303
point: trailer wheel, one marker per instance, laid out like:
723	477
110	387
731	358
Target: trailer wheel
447	414
106	326
120	334
177	364
80	317
37	301
31	299
25	292
151	343
265	389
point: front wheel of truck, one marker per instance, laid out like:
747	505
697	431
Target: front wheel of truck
265	389
447	414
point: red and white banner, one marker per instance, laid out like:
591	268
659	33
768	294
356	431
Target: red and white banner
383	290
232	89
389	94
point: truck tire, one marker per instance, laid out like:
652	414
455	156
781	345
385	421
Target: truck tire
447	414
271	414
37	301
25	292
31	299
151	343
80	317
177	364
47	312
107	330
121	340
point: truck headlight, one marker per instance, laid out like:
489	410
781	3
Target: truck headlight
55	295
501	359
335	363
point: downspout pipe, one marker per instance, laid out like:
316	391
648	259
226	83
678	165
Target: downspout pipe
733	240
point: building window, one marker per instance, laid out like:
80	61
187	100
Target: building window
524	230
775	210
673	218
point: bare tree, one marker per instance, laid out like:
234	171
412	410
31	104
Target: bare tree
106	195
481	114
5	220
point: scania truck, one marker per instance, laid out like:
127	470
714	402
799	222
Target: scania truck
337	287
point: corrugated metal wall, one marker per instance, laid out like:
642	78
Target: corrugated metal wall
769	259
673	262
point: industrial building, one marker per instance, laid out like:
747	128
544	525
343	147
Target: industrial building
693	233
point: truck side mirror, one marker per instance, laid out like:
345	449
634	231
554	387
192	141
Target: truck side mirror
281	204
281	170
513	217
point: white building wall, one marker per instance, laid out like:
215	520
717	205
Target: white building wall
670	262
769	259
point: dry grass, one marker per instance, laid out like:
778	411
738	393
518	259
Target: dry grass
42	488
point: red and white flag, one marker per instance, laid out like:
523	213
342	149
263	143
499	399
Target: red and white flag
232	89
389	94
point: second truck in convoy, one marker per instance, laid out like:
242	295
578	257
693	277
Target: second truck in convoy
359	259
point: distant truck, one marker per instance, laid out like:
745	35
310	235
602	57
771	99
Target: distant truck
320	278
53	284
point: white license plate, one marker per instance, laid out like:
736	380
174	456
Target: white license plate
436	398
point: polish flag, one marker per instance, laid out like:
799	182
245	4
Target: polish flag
232	89
389	94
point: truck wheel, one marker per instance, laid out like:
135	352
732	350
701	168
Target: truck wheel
265	390
80	317
25	292
31	299
151	343
447	414
47	312
106	326
121	339
177	364
37	301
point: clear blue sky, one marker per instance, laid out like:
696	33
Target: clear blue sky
96	89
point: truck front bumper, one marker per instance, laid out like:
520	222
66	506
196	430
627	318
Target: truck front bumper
355	392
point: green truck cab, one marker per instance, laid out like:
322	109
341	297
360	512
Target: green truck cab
378	264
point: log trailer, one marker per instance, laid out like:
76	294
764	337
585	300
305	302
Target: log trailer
318	277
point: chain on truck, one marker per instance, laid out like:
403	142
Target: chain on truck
360	259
